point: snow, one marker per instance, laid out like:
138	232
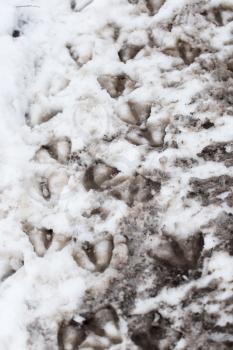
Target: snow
105	106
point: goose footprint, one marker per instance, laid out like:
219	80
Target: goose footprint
53	185
39	238
43	239
94	257
99	331
58	150
98	176
105	252
115	85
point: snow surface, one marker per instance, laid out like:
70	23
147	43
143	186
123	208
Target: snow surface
110	197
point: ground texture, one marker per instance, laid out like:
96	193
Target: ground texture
116	163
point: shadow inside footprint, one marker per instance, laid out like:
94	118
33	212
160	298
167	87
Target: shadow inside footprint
16	33
59	149
40	239
128	52
134	113
187	52
70	336
97	176
99	331
136	189
154	6
105	324
115	85
151	6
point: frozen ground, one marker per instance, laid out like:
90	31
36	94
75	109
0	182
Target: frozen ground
116	163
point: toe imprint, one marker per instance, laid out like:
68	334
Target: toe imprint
97	176
59	149
40	239
115	85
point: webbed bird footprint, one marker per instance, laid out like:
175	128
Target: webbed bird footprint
58	150
43	239
129	51
105	252
132	189
70	336
151	6
39	238
48	186
187	52
99	331
43	116
182	254
133	112
53	185
115	85
103	325
136	189
9	266
98	176
94	257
